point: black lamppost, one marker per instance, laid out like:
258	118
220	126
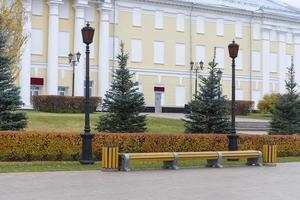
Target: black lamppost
73	61
219	74
233	53
196	67
86	158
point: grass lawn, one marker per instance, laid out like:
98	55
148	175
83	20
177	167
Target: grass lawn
46	166
42	121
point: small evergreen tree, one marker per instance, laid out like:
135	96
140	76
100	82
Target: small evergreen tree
286	113
9	94
208	110
123	102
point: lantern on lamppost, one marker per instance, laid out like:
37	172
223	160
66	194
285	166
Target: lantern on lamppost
74	60
196	67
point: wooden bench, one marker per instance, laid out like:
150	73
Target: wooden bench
170	159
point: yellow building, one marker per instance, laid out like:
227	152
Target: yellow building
161	37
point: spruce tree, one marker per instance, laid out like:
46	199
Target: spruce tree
286	113
10	99
209	109
123	102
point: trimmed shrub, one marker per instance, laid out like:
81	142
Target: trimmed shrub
63	104
243	107
267	104
28	146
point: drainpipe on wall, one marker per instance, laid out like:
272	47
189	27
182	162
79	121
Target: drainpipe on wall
251	49
191	52
114	34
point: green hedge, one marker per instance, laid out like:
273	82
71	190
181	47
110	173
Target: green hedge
62	104
27	146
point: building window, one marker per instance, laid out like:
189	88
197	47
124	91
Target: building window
159	20
273	36
37	41
62	91
220	57
220	27
64	44
273	62
239	94
255	61
180	96
238	29
159	52
200	25
34	91
180	54
200	53
239	60
256	31
289	38
136	50
137	17
91	88
180	22
37	7
64	10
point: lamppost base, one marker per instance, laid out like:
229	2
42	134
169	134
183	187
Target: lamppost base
87	154
233	142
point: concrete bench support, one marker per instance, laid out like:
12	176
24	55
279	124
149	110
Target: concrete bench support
215	163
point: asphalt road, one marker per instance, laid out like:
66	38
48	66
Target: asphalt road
231	183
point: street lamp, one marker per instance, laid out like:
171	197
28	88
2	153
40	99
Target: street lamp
219	75
196	67
74	61
233	49
86	158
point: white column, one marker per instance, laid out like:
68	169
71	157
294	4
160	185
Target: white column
282	61
266	61
26	58
79	7
52	47
103	68
297	58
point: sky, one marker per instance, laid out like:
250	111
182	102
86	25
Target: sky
293	2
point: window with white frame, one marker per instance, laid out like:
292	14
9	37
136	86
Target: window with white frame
136	50
256	31
137	17
273	35
239	60
35	90
200	53
180	96
220	57
220	27
37	7
273	62
238	29
114	47
239	94
62	91
180	22
200	25
64	44
256	61
256	95
91	90
64	10
289	38
159	52
90	13
159	20
180	54
37	41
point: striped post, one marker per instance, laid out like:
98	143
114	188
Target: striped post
110	158
270	155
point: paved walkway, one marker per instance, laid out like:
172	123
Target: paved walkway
181	116
235	183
